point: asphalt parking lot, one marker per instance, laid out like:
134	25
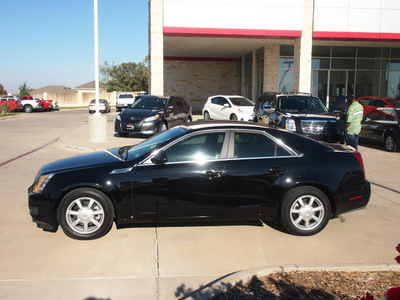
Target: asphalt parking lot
166	262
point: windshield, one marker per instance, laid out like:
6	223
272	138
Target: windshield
153	103
301	104
394	102
241	101
155	141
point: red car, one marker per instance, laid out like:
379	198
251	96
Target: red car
13	102
371	103
48	104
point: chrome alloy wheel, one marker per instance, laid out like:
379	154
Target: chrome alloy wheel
307	212
85	215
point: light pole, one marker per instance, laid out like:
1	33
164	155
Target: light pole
97	122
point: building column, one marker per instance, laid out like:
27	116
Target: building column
271	68
156	47
303	51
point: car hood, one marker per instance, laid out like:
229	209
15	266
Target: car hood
83	161
320	117
138	114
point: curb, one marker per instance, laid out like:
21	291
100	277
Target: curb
222	284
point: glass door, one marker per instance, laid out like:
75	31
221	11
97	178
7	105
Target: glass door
337	87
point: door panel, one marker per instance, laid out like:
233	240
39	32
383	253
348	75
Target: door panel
178	190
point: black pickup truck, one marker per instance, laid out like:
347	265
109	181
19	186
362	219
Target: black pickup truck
298	112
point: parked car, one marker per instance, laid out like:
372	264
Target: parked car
298	112
124	100
12	102
221	107
152	114
202	171
104	106
382	125
48	104
29	104
371	103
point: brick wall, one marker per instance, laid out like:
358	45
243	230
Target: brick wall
197	80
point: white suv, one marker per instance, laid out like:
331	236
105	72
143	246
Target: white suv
124	100
221	107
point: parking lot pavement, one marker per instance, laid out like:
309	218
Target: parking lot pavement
172	262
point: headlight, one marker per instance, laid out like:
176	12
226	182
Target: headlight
41	182
118	117
290	125
153	118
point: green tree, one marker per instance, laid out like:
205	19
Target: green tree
23	90
128	76
2	90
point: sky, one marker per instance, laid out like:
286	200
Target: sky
51	42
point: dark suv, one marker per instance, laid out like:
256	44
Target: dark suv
152	114
299	112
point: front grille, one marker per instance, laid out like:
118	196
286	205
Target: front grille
317	127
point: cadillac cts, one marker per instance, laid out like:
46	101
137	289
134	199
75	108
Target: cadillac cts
203	170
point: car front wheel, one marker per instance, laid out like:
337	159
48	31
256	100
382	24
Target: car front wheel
161	127
305	211
390	143
85	214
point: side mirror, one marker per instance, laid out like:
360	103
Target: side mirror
160	158
268	109
227	105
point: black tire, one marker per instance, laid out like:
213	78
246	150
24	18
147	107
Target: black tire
390	143
206	116
28	108
305	211
161	127
85	214
233	117
123	134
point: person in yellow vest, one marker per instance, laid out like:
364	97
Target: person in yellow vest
353	122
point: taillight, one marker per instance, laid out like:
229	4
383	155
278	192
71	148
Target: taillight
360	160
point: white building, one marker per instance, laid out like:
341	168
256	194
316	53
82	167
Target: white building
330	48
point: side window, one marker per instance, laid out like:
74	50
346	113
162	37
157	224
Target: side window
378	103
171	102
198	148
178	101
222	101
364	102
257	145
215	100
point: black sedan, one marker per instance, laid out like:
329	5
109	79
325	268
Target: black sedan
202	171
151	114
382	125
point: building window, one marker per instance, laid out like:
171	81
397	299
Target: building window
248	75
286	68
239	63
259	73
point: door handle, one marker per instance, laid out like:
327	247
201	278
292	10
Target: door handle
212	174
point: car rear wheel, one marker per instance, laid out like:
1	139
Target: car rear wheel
28	108
390	143
305	211
85	214
233	117
206	116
